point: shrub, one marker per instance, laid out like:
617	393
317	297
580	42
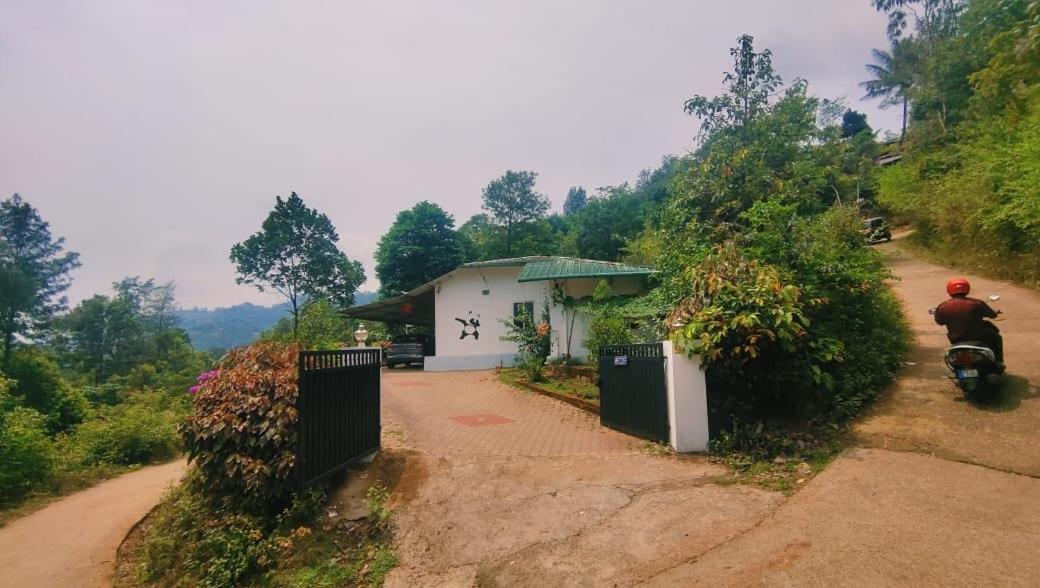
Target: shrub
605	328
817	351
26	452
532	342
241	433
142	430
192	542
39	385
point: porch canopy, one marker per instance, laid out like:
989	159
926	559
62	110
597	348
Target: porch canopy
412	308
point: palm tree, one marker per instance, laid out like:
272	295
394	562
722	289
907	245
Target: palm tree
892	78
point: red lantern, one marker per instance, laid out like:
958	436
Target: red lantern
407	308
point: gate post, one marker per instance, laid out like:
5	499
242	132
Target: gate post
687	401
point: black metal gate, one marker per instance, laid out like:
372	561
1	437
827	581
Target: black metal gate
338	408
633	392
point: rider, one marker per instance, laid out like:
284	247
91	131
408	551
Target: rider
964	319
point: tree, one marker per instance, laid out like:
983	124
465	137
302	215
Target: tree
421	245
512	201
853	123
576	200
34	272
892	78
930	18
295	254
748	89
612	218
321	327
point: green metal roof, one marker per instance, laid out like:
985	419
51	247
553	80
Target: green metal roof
558	268
509	262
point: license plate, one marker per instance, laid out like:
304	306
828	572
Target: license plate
961	374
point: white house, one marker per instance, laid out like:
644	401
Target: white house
466	306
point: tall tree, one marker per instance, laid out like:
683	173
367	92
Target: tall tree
421	245
892	77
512	201
34	272
931	19
748	89
576	200
612	218
295	254
853	123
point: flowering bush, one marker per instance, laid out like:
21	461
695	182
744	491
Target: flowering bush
532	341
241	434
202	379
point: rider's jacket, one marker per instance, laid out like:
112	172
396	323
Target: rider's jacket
963	317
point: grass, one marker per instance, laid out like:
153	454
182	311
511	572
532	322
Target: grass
352	553
782	474
317	550
567	386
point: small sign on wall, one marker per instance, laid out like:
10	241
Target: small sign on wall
620	360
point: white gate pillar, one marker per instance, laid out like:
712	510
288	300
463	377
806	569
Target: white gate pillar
687	401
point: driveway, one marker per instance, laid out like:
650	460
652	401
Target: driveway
504	487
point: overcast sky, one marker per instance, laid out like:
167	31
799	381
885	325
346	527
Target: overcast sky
154	135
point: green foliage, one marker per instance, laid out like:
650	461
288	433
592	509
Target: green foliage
853	123
576	200
34	272
969	178
212	547
192	542
241	434
141	430
511	200
321	327
133	334
39	385
421	245
532	341
295	255
606	328
26	452
762	263
607	222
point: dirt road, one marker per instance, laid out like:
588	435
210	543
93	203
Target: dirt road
926	413
73	542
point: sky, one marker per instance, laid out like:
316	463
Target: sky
155	135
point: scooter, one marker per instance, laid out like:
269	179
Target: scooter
974	367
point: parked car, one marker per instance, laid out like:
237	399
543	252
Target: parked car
876	230
408	350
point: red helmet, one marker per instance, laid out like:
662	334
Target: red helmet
958	286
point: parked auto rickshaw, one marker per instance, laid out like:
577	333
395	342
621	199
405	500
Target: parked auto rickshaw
876	230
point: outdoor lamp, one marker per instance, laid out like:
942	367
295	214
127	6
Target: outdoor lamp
361	335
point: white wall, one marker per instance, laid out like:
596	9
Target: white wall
687	401
461	296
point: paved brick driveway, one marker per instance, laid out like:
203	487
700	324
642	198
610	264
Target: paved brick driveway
505	487
474	413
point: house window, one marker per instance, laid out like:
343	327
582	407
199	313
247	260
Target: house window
520	308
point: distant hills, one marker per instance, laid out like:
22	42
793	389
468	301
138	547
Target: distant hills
231	326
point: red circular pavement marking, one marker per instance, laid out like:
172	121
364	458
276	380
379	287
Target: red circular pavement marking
480	420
